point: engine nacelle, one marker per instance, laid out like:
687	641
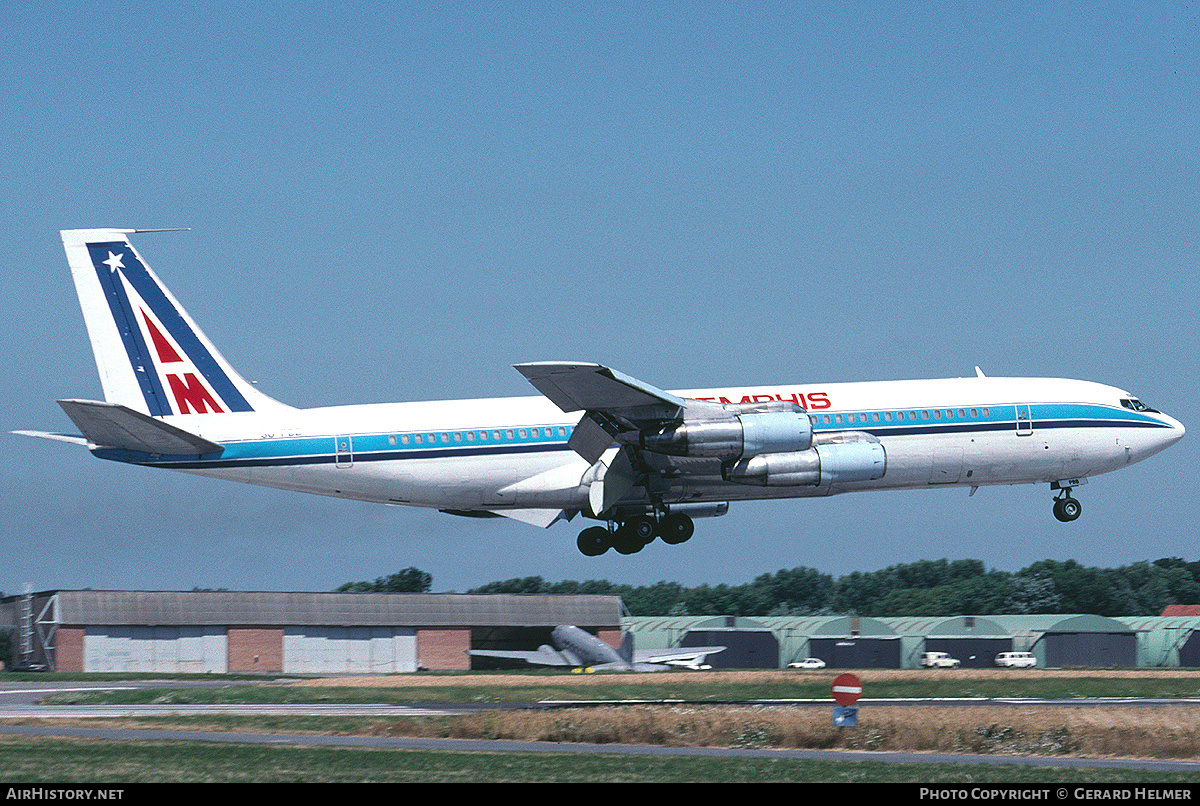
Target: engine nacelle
736	436
822	465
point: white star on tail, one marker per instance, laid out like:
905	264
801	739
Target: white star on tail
113	262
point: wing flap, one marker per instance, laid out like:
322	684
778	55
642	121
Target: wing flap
543	518
590	439
111	425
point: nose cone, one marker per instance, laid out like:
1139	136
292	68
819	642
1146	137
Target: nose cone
1166	437
1177	430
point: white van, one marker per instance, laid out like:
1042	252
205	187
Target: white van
1016	660
938	660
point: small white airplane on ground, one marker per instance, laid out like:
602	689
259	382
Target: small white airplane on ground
642	461
581	650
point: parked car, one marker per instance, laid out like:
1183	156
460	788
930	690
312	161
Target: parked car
939	660
807	663
1016	660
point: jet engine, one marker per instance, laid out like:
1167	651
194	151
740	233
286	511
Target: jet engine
821	465
734	435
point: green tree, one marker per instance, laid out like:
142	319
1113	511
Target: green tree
410	580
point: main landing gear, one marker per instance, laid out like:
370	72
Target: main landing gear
1066	508
633	534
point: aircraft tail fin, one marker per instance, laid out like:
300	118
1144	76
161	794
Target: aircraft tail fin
626	648
151	356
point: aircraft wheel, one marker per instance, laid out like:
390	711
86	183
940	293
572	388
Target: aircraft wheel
642	528
627	540
676	528
1067	509
593	541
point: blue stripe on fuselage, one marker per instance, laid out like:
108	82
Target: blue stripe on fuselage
444	444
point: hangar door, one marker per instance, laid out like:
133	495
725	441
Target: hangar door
858	652
1189	653
349	650
973	652
744	649
1091	649
155	649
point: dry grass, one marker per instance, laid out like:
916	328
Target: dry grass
1131	732
1168	732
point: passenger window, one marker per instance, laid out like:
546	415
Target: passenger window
974	412
925	415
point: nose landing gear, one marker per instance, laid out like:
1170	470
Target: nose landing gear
1066	508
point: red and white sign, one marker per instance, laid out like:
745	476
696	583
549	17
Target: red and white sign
846	689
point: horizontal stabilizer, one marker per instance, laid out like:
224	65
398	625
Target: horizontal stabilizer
110	425
74	439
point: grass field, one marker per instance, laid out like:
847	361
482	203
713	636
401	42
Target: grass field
1111	731
112	763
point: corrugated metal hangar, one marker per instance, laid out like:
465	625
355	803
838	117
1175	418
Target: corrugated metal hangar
1056	640
300	633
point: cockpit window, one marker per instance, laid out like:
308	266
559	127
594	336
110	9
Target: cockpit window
1136	405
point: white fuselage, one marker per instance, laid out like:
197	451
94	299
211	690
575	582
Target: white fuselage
503	454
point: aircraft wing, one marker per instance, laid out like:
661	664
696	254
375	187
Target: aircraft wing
591	387
542	656
616	410
612	402
687	656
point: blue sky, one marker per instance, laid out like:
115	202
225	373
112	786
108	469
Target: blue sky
400	202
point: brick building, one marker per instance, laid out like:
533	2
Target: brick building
298	633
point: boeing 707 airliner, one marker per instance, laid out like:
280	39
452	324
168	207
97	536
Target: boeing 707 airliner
642	461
